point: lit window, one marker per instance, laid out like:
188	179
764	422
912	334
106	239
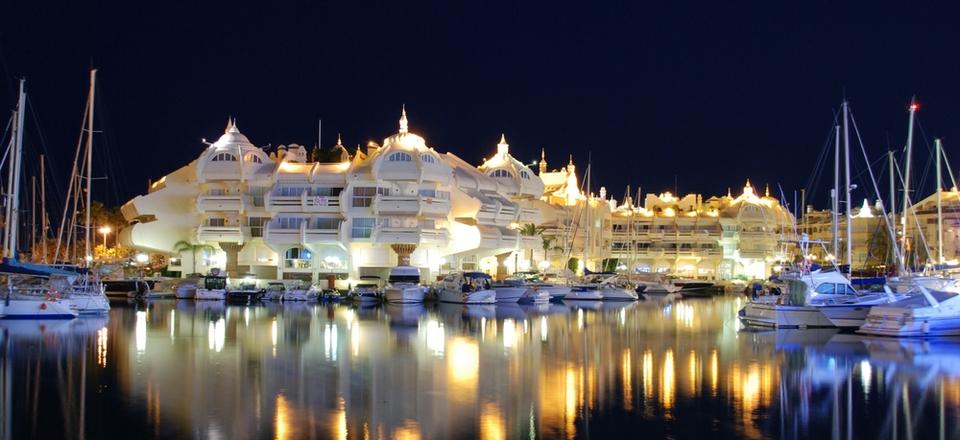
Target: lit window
500	173
426	158
525	174
250	157
362	227
400	157
224	157
297	258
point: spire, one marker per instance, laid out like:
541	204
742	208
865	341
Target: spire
403	118
729	194
229	125
503	147
339	142
543	161
766	192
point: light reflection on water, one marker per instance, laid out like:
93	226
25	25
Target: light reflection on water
173	370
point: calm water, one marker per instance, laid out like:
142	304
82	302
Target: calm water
682	370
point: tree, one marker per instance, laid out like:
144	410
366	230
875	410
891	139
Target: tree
185	246
547	242
531	230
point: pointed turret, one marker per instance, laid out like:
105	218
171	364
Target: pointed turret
543	161
403	119
503	148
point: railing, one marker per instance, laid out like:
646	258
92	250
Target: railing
410	235
206	202
410	205
301	234
303	203
219	233
530	215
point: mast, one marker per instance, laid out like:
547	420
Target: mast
847	216
836	195
33	217
43	209
87	256
939	148
906	184
13	178
893	197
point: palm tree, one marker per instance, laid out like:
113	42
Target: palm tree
548	245
184	246
531	230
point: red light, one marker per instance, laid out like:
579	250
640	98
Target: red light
914	107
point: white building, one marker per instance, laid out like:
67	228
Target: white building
285	217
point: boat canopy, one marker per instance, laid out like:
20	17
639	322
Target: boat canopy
12	266
477	275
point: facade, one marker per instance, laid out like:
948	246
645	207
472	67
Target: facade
282	216
338	215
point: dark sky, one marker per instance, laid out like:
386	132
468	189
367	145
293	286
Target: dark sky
708	93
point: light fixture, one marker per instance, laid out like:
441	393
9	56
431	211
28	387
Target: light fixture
142	258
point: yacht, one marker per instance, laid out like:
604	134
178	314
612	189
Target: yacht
931	313
246	293
86	296
467	288
403	285
29	294
274	292
186	289
687	287
299	292
654	284
609	286
814	299
533	279
368	290
214	288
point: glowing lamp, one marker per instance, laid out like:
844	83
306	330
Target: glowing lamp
142	258
914	107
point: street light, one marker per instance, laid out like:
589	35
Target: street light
105	230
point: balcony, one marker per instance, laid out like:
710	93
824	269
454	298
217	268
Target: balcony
531	242
207	202
530	215
388	235
301	235
303	203
220	233
410	206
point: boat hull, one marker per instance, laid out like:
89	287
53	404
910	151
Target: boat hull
89	304
900	323
535	296
477	297
846	316
781	316
509	294
584	295
618	294
186	292
36	309
404	295
210	294
298	295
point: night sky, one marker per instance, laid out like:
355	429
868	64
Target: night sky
702	94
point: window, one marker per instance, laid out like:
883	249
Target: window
297	258
216	222
427	158
825	288
363	195
291	191
325	223
326	192
257	193
400	157
289	222
436	194
362	228
256	225
216	192
500	173
525	174
253	158
224	157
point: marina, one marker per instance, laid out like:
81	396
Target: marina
175	369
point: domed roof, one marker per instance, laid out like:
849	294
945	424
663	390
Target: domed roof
521	175
404	139
231	136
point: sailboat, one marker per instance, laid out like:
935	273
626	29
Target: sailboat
28	292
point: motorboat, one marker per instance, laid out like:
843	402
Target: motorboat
467	288
509	293
534	280
814	299
186	289
403	286
908	283
160	288
583	293
245	293
930	313
274	291
653	284
367	290
214	288
609	287
299	292
688	287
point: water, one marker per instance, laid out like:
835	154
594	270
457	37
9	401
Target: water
682	370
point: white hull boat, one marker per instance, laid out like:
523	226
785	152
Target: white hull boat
535	295
931	313
88	304
782	316
583	293
488	296
38	308
613	293
404	294
186	292
210	294
299	295
509	294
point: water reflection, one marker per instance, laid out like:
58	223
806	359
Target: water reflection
684	369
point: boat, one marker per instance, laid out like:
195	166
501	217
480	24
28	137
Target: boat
274	291
508	292
186	289
214	288
299	292
367	290
467	288
608	286
654	284
86	296
403	286
583	293
689	288
160	288
534	280
931	313
814	299
246	293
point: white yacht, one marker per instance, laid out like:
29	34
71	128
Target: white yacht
908	283
814	299
931	313
613	287
533	280
403	285
467	288
214	288
29	295
186	289
87	297
274	292
299	293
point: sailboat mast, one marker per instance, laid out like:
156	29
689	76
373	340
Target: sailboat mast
33	217
893	199
906	185
939	147
86	225
43	209
836	195
848	217
13	197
